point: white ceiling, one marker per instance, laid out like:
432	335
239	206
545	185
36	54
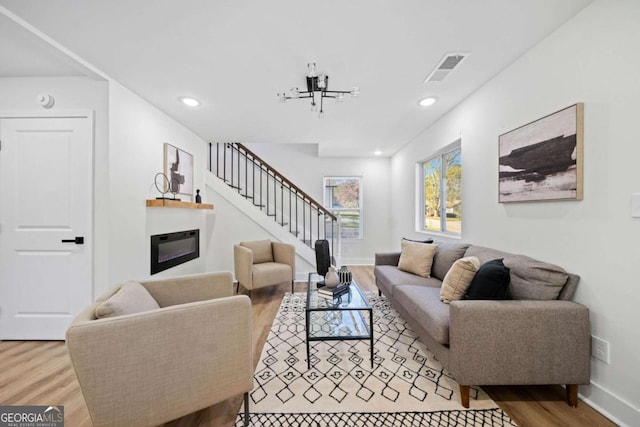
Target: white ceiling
236	55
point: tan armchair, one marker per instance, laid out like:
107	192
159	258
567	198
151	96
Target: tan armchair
154	366
264	263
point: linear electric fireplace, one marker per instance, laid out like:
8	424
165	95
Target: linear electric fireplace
169	250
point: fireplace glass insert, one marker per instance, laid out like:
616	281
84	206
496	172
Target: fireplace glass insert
171	249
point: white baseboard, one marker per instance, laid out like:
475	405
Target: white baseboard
617	409
356	261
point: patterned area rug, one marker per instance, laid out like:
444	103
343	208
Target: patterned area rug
405	387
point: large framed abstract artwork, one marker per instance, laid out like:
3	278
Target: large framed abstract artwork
178	167
542	160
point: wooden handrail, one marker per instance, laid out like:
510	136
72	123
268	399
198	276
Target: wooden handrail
283	179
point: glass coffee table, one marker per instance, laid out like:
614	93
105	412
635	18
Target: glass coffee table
346	317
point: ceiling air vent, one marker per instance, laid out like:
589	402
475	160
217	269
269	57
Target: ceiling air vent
446	65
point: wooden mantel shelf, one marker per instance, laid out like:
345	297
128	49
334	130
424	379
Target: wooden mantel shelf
153	203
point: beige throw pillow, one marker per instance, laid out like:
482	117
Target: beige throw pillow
261	249
458	279
131	298
417	258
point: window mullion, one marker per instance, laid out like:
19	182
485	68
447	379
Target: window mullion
443	194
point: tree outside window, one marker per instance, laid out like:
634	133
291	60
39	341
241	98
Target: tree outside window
442	180
343	197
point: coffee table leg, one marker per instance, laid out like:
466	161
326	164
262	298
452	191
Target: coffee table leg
371	333
307	334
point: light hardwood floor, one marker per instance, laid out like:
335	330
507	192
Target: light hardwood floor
40	373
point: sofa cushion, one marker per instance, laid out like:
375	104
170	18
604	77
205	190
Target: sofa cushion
131	298
491	281
388	277
458	279
261	249
446	254
423	302
530	279
416	258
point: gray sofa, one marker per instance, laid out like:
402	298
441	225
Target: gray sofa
538	337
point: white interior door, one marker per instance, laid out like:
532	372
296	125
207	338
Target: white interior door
45	204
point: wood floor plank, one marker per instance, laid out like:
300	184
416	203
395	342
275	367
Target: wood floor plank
40	373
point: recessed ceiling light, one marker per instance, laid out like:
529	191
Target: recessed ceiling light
427	101
191	102
377	153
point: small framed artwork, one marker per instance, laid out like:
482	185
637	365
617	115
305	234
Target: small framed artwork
178	167
542	160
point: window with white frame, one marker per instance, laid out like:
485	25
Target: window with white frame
441	191
343	197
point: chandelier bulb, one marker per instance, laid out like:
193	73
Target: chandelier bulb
355	91
314	108
295	92
321	114
322	81
312	69
340	97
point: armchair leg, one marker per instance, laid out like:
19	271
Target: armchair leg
246	409
237	287
464	395
292	286
379	292
572	395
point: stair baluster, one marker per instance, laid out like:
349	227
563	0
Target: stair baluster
299	221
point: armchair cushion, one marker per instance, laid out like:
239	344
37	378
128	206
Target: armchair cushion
262	251
131	298
269	273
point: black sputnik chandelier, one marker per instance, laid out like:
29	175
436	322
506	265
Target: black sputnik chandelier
317	83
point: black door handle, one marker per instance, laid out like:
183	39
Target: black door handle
77	240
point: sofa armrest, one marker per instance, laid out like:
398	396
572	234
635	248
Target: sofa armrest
286	254
128	366
243	261
519	342
186	289
387	258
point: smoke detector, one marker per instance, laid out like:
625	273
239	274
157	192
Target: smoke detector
445	66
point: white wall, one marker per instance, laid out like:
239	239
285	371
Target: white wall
301	164
594	59
18	95
137	133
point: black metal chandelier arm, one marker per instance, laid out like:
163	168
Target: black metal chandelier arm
334	93
301	95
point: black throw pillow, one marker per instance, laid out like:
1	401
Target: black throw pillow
418	241
490	282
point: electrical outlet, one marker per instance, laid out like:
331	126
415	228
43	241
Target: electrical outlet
600	349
